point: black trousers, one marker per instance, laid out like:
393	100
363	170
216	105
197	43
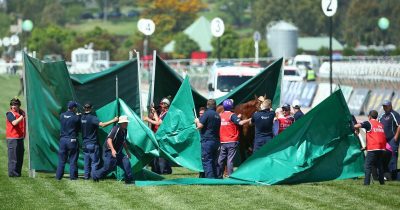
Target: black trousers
374	159
15	156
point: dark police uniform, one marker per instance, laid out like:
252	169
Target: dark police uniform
298	115
70	124
118	136
210	142
91	148
390	123
263	121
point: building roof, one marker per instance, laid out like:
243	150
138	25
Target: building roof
315	43
200	32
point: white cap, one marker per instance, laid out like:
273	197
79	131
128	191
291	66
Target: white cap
165	100
123	119
296	104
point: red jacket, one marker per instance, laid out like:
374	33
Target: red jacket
15	131
285	122
229	131
376	139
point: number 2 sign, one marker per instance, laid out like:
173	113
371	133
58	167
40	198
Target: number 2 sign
329	7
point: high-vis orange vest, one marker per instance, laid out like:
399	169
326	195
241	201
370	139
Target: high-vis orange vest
15	131
376	139
229	131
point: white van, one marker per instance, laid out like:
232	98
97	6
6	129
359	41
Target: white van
222	80
307	60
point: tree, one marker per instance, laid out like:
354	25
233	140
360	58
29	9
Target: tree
234	9
53	13
170	17
50	40
229	43
247	50
362	19
184	46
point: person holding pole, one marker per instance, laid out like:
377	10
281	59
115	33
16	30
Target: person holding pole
91	149
159	165
15	134
376	145
70	126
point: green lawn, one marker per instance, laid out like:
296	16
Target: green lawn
44	192
122	27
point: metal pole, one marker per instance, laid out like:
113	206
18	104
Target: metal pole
31	171
117	96
256	52
153	72
139	83
330	52
219	49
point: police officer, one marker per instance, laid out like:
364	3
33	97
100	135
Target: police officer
70	125
91	149
15	134
376	145
229	137
209	125
263	121
113	156
390	121
297	111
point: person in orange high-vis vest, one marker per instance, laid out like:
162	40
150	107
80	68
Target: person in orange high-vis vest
229	138
15	134
376	145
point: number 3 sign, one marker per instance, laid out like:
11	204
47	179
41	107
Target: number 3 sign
329	7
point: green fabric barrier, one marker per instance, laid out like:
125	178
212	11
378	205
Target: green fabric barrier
167	83
47	94
142	143
267	82
100	89
177	136
320	146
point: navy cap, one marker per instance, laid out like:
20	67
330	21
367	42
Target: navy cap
72	104
386	103
286	107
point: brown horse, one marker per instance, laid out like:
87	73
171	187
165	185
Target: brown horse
245	111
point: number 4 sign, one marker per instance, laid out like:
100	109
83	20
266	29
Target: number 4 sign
329	7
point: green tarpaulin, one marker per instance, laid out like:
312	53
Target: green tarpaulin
267	82
142	143
100	89
177	136
48	89
321	146
167	83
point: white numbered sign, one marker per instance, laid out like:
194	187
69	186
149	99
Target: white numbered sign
146	26
329	7
217	27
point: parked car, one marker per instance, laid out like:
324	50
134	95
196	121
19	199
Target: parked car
133	13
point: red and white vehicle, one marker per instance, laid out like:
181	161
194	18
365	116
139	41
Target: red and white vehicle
222	80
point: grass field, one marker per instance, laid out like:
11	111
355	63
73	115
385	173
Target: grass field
44	192
122	27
